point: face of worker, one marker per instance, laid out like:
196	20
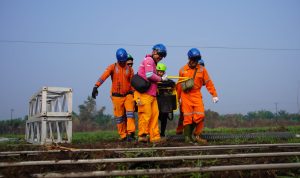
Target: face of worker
156	56
193	63
160	73
129	62
122	64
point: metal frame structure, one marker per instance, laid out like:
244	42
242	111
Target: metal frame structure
50	116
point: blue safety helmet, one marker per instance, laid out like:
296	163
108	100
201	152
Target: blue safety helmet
161	50
121	55
194	54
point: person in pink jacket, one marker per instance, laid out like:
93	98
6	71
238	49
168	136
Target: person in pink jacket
147	103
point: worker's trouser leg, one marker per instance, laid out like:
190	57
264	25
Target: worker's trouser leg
124	124
198	131
199	128
163	117
148	116
179	129
192	114
129	107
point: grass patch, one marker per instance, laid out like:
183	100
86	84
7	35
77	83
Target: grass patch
96	136
91	137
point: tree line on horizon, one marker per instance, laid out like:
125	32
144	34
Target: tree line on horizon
90	118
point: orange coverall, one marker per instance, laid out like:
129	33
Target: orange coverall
191	101
122	97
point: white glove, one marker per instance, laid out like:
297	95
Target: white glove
215	99
164	78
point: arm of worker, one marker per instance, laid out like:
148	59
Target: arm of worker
150	70
131	75
210	86
178	87
101	80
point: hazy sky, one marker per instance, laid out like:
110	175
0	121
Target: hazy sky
251	48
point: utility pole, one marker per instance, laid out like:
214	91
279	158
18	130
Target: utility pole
276	114
298	91
276	109
11	117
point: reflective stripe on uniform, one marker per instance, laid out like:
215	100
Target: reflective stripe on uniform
187	113
149	74
119	119
192	113
100	80
200	113
129	114
116	70
127	70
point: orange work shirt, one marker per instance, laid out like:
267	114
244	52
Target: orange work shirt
120	76
194	96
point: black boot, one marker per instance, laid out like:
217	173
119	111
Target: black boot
130	137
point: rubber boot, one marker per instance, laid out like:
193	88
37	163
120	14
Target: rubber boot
187	131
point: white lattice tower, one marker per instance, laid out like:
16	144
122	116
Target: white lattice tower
50	116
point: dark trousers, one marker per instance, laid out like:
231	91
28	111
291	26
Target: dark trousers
163	117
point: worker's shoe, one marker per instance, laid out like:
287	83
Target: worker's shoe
163	139
122	139
143	138
200	140
156	141
130	137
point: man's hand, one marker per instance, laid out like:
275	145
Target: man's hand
215	99
164	78
95	92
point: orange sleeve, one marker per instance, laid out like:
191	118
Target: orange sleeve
105	75
209	83
178	86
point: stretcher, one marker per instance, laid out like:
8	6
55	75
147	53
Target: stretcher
181	79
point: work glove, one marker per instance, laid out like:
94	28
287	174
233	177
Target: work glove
215	99
164	78
95	92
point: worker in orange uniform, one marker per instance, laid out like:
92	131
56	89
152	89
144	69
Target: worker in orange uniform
179	129
121	94
191	98
147	102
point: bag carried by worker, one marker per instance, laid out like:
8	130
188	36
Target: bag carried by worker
189	83
139	83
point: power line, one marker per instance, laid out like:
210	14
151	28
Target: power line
141	45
